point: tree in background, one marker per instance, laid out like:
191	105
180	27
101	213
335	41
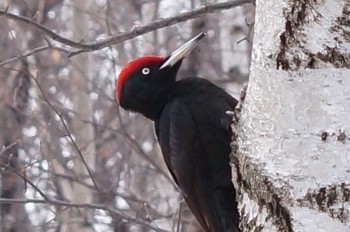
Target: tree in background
71	159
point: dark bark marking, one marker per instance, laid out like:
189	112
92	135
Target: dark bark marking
325	198
293	37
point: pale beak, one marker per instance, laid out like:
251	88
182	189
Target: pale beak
182	51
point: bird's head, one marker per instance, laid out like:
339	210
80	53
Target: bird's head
143	83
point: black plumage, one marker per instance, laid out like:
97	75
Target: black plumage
194	134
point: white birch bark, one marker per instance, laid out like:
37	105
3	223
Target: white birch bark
293	134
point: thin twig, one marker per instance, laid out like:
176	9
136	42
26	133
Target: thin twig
53	35
8	147
67	131
137	31
33	52
29	53
179	219
109	209
25	179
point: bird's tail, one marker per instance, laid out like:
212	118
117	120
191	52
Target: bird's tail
227	209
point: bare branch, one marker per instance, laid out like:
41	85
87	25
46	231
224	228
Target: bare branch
24	178
137	31
8	147
83	206
29	53
44	29
68	132
32	52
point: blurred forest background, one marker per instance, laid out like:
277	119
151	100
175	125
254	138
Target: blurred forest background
70	158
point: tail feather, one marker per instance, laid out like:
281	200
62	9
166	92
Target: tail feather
227	209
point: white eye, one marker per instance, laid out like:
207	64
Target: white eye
145	71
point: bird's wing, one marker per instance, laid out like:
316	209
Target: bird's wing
177	137
214	133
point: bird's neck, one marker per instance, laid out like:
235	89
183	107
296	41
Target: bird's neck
155	102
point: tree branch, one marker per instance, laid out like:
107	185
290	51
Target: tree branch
29	53
109	209
25	179
137	31
68	133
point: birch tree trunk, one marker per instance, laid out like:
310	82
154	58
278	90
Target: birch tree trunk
80	219
293	134
15	87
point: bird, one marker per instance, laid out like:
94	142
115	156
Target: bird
193	130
